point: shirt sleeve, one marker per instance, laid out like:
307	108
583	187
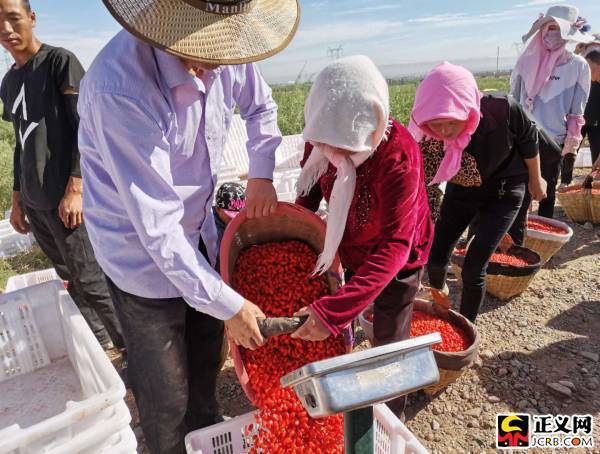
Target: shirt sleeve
259	111
582	92
68	70
135	152
402	181
6	114
515	85
524	129
311	201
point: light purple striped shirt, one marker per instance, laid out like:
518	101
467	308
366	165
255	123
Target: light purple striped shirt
151	139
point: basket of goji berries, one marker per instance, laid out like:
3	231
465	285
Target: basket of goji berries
510	270
546	236
575	200
460	339
270	261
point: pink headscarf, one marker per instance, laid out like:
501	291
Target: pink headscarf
448	92
538	61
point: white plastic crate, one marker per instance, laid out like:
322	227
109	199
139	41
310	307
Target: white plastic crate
390	436
62	332
13	243
227	437
235	154
285	184
26	280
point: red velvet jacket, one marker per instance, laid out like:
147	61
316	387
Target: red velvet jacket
388	230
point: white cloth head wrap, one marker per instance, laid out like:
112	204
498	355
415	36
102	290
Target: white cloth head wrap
347	109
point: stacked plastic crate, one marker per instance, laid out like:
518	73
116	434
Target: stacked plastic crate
60	393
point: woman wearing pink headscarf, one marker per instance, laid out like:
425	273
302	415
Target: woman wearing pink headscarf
486	148
553	85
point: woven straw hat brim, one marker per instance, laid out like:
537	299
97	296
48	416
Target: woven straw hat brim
183	30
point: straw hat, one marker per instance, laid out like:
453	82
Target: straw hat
218	31
567	18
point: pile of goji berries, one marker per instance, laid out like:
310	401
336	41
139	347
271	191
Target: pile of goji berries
277	278
541	226
503	259
454	339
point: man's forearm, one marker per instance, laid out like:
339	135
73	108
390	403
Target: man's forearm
533	167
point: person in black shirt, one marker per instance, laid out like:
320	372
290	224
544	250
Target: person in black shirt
592	110
39	94
487	148
591	129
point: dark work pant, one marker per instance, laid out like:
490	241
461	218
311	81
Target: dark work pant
174	355
71	253
568	164
550	167
496	205
392	317
593	135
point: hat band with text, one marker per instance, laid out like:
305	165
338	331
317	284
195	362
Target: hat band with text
226	8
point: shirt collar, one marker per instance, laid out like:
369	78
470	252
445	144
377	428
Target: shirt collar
174	73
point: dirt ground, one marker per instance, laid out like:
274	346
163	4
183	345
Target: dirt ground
550	333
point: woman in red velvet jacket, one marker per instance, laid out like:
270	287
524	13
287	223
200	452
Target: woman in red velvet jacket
369	169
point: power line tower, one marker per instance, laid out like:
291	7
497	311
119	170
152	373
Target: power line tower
301	73
335	52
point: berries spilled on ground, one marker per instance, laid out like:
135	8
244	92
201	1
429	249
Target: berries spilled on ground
277	278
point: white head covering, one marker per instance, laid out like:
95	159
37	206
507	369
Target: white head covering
348	107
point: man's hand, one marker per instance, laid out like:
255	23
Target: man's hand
17	216
537	189
261	198
313	329
70	209
243	329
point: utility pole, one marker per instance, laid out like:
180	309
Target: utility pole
498	62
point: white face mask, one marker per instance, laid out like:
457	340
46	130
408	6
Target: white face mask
553	40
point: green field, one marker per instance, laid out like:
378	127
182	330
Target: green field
290	100
291	116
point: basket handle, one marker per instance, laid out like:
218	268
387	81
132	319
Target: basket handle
506	243
441	301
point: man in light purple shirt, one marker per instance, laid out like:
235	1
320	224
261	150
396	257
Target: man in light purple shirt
152	131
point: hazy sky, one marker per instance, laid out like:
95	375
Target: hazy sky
390	32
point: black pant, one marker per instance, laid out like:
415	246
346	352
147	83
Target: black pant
593	135
174	355
550	167
393	315
568	165
71	253
495	204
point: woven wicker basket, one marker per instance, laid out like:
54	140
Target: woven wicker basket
500	286
289	222
447	377
547	244
576	204
595	205
451	365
